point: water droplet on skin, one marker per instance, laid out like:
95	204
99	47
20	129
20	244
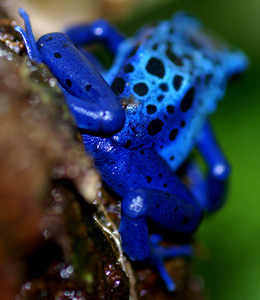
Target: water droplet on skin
52	82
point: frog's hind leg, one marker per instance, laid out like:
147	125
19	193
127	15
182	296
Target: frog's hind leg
219	170
167	211
99	31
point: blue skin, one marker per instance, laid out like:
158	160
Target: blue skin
90	99
168	78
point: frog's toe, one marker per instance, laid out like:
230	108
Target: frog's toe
157	261
163	253
160	253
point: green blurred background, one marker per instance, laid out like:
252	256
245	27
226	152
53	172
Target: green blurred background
231	269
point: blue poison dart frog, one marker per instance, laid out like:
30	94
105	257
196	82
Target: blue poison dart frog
143	120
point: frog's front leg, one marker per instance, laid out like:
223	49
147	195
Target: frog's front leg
89	97
219	169
177	212
99	31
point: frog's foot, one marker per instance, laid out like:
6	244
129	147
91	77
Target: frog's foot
160	253
169	252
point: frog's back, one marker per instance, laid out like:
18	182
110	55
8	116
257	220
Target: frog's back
169	77
182	45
